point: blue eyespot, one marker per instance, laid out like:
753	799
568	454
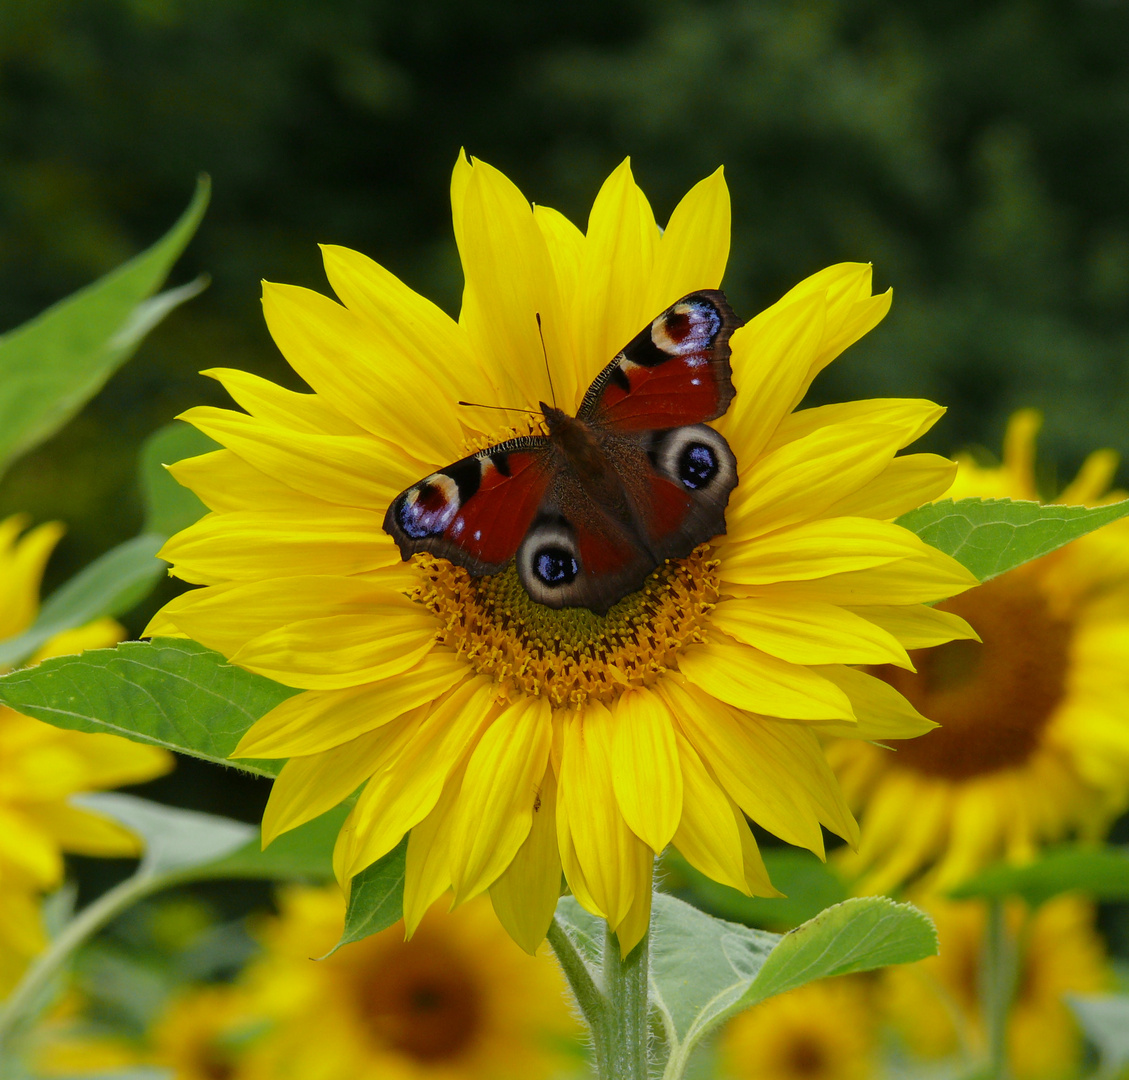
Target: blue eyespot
697	465
555	566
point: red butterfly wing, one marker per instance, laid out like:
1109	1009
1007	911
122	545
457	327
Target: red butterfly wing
673	373
476	511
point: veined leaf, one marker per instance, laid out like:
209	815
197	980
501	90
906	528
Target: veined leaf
991	536
705	970
1100	872
51	366
171	692
376	897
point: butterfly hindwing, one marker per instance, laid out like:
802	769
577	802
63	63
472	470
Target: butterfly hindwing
477	511
674	372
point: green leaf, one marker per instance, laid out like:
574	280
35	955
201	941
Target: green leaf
175	840
808	884
170	692
991	536
110	585
170	507
376	897
304	853
585	930
1105	1020
705	970
1101	872
50	367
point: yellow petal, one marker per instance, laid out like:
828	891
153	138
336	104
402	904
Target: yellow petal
224	481
917	626
268	401
525	896
405	327
771	357
342	650
402	796
335	352
495	809
1093	479
255	544
801	479
757	881
82	832
904	484
509	282
630	930
772	799
808	633
22	562
25	847
881	713
427	874
817	549
100	634
913	416
645	771
707	833
565	244
343	469
694	247
309	786
606	848
749	679
619	257
1019	452
322	719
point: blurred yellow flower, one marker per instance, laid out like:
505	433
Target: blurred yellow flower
936	1006
1034	736
42	766
210	1033
823	1031
510	739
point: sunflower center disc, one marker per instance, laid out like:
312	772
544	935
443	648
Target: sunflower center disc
992	700
571	654
423	1003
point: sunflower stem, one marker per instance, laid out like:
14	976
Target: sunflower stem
999	975
626	982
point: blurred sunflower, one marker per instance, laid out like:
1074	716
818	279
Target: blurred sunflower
510	739
42	766
209	1033
1034	736
455	1002
823	1031
936	1006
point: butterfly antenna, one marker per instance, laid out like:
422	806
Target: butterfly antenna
501	408
545	353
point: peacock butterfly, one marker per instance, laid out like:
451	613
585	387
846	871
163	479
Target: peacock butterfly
594	505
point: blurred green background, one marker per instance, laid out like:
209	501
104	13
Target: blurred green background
976	153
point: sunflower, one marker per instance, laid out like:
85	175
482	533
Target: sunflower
510	739
936	1004
42	766
454	1002
1034	741
822	1031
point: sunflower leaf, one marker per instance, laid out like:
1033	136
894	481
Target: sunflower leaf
170	692
705	970
1105	1020
1101	872
51	366
376	897
991	536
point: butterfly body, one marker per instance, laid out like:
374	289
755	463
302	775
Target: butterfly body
592	506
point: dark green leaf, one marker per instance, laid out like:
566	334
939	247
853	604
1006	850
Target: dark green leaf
376	897
991	536
110	585
170	507
51	366
808	885
1101	872
171	692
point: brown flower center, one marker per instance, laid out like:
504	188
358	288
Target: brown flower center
570	654
992	700
807	1057
423	1002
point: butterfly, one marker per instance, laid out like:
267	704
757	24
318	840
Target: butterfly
590	508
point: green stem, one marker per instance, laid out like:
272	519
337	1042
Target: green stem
999	976
628	1035
29	996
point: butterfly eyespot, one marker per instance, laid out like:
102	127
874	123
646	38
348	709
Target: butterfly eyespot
428	508
555	566
697	465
